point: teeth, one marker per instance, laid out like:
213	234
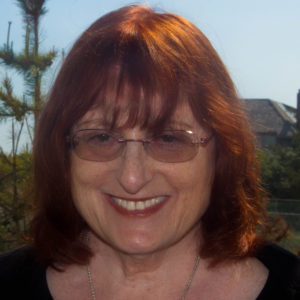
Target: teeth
138	205
130	205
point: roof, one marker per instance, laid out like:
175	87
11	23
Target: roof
270	117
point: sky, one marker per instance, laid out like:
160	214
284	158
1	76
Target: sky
258	40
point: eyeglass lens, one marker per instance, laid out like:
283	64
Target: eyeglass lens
168	146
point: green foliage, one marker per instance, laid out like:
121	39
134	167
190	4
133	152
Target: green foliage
280	168
26	63
16	166
11	105
29	62
32	8
15	207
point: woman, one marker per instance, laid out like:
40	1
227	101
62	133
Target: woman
146	177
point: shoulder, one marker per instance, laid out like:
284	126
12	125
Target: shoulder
284	272
21	273
14	256
16	262
281	261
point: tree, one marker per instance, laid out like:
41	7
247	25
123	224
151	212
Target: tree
15	167
280	166
281	170
30	63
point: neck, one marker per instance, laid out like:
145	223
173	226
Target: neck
167	273
130	265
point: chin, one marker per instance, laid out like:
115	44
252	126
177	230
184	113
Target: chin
138	244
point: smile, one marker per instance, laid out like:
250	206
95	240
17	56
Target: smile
138	205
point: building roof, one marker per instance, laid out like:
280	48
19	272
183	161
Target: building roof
270	117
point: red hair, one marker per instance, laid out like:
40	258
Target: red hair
134	54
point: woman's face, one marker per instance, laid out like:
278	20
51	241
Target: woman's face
177	194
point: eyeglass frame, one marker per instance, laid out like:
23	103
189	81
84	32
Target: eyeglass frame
200	141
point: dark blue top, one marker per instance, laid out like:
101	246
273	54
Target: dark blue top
22	277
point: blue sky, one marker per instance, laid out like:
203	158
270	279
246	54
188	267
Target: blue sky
258	40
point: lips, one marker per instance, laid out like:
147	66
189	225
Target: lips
137	207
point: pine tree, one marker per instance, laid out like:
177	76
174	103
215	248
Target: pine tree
15	167
30	63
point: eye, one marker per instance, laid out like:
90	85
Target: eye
172	138
101	137
98	138
167	138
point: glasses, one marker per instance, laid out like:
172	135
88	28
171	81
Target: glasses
167	146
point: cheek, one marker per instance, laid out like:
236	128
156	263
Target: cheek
193	185
84	181
85	173
197	175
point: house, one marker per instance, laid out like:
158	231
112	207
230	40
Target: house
272	122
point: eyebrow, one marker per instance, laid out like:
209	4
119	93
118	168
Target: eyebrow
97	122
102	121
179	124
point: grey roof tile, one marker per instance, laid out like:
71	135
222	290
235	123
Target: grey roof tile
270	117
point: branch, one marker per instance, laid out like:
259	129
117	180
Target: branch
13	105
6	207
5	114
7	55
5	176
18	137
28	130
24	63
32	9
5	156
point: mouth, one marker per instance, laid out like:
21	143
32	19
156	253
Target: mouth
138	207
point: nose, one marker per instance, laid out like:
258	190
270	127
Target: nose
134	171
